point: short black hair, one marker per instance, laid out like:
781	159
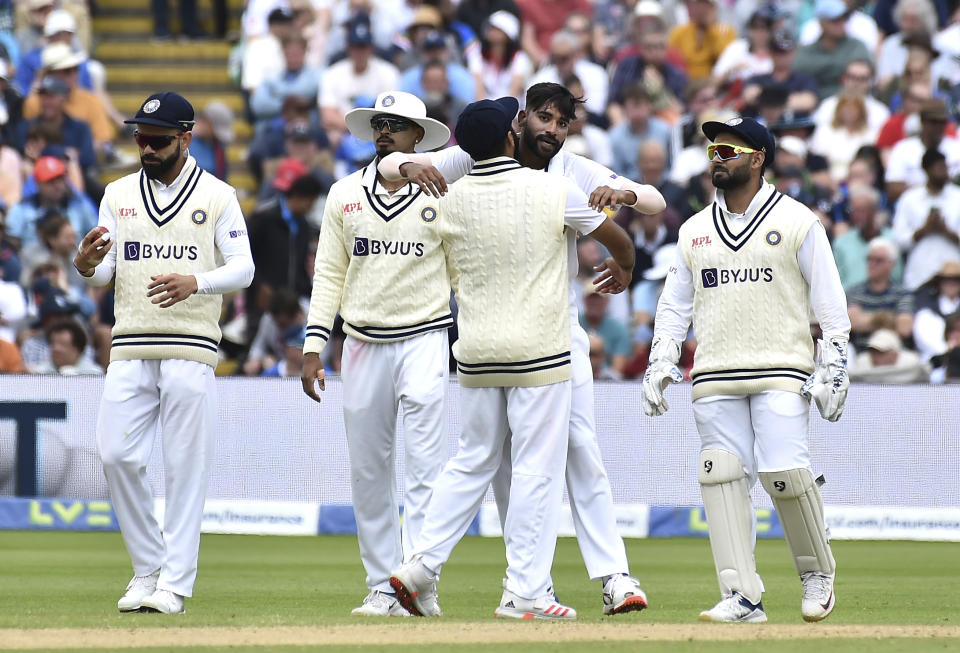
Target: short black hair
547	93
285	302
306	186
77	335
930	157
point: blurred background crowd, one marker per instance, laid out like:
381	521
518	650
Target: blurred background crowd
863	97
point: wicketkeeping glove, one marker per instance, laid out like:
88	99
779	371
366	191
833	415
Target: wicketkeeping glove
661	371
829	382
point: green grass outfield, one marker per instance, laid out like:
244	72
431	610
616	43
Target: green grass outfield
279	591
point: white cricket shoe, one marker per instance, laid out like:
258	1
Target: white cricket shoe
735	609
818	597
622	593
545	607
163	601
380	604
139	588
416	589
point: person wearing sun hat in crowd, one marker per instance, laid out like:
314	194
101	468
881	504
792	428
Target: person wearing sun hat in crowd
212	134
886	361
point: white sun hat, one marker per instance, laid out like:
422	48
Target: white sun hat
60	56
404	105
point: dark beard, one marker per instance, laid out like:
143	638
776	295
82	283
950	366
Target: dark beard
532	145
156	170
737	178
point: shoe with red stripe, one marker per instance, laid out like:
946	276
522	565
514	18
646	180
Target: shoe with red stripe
622	593
416	588
544	607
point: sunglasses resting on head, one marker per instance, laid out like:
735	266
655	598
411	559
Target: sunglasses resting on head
726	151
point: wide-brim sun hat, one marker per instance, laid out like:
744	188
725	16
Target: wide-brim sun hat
404	105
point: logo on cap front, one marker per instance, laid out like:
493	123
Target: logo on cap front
388	101
151	106
733	122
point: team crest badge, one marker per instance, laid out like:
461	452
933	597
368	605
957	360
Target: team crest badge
773	238
388	101
733	122
199	216
428	214
151	106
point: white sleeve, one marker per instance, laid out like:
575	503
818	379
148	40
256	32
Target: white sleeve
826	292
103	273
903	223
675	308
452	163
577	215
896	164
590	175
234	245
649	199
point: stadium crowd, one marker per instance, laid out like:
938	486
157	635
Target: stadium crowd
863	97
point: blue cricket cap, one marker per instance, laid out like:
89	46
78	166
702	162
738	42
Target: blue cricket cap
755	134
166	109
485	122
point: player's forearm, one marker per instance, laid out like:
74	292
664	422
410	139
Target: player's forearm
649	199
617	241
390	165
234	274
827	298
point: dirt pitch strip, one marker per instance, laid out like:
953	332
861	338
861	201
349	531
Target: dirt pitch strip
443	633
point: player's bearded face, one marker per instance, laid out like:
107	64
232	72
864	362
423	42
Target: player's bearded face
156	166
727	175
544	132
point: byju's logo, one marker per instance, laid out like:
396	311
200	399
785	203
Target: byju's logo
131	250
710	277
361	246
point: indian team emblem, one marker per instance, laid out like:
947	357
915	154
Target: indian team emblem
733	122
199	216
428	214
773	238
151	106
388	101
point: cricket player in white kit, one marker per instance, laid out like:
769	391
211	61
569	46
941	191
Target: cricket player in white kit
749	269
380	264
550	108
504	228
169	223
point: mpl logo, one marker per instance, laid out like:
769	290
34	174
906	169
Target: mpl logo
700	241
128	213
351	207
361	246
131	250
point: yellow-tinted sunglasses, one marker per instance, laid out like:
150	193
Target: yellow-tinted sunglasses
726	151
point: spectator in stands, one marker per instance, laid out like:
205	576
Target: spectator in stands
827	58
68	342
475	13
751	56
866	223
601	370
702	40
74	134
13	309
212	134
296	78
584	137
437	93
461	85
906	121
263	53
615	334
590	254
652	162
53	193
651	67
268	344
270	143
799	127
646	292
361	73
11	361
639	126
936	302
292	362
878	301
802	89
541	20
60	27
300	146
53	306
699	97
61	62
56	243
189	24
913	18
839	139
857	81
280	238
502	69
11	106
922	67
926	224
947	365
904	166
886	361
566	58
650	232
30	36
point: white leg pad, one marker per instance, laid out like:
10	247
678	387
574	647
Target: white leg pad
726	498
799	506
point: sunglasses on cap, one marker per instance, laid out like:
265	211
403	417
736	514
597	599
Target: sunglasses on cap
156	142
726	151
393	125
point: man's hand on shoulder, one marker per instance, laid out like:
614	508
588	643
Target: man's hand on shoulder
427	177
